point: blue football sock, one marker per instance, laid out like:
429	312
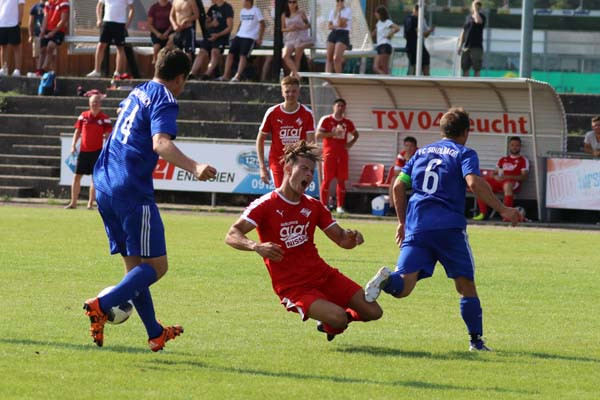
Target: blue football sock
470	310
145	309
395	284
136	280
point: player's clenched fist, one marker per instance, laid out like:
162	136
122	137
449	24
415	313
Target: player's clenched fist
269	250
205	172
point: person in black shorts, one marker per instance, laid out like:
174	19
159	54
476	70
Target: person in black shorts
54	26
338	41
470	42
159	24
184	14
410	34
11	14
118	15
219	23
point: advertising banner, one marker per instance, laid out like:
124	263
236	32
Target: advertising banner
429	120
572	183
236	164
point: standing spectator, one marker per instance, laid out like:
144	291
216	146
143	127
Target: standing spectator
510	172
287	123
92	126
250	32
384	31
410	148
334	130
145	130
431	225
338	41
183	20
286	220
296	36
118	15
411	24
160	25
56	20
470	42
36	19
11	14
219	22
591	142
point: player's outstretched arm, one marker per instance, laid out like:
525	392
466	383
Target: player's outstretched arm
483	191
345	238
236	238
164	147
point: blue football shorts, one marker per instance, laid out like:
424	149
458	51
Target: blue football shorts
133	229
420	252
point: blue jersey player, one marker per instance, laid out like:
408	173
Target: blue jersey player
145	130
432	227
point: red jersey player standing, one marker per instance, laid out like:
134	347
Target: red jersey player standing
286	220
510	171
287	123
334	130
92	126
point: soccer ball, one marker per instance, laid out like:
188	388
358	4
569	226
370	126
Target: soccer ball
521	210
117	314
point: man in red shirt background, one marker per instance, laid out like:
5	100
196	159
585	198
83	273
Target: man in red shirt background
410	148
56	19
334	130
92	126
510	172
287	123
286	220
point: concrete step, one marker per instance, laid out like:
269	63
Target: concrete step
28	159
29	170
8	139
41	184
16	191
34	149
57	130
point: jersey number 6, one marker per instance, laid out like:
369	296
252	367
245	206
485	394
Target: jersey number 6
430	181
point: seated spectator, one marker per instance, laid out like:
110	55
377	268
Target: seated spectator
92	126
56	19
117	18
296	36
36	19
184	14
510	172
410	148
384	31
219	23
591	142
338	41
160	25
250	32
11	13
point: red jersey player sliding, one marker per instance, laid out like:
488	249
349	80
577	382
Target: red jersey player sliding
286	219
510	172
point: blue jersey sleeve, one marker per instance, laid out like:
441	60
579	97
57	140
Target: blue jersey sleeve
163	119
470	163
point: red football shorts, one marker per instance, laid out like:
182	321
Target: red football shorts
335	287
277	174
498	186
335	166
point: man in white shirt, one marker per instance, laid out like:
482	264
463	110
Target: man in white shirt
250	32
338	41
11	13
117	18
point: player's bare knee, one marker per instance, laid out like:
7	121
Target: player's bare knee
338	319
374	312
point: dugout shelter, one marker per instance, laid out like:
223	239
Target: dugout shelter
386	109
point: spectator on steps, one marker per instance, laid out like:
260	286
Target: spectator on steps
591	142
118	15
36	19
184	14
296	36
11	13
159	25
411	23
338	41
384	30
92	126
56	19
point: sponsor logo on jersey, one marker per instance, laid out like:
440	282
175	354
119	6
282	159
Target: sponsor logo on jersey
306	212
289	135
293	234
280	212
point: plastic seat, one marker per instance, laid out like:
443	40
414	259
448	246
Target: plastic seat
388	178
371	175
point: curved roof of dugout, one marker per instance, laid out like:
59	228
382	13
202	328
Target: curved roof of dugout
486	99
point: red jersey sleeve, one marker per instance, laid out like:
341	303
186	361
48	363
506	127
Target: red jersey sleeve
324	217
106	123
79	122
255	212
266	125
350	126
309	121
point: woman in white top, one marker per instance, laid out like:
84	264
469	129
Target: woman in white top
384	30
338	41
296	36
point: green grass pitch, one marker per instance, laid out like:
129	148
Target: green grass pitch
539	291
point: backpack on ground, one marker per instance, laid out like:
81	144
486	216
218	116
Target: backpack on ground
47	84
